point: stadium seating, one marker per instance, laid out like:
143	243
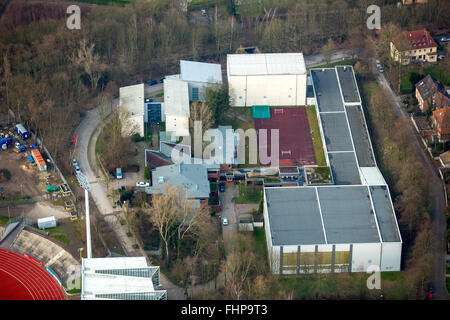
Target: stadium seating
46	251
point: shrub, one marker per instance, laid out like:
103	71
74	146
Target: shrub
137	138
5	174
147	172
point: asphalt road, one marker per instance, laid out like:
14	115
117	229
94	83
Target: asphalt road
227	211
436	191
87	133
318	59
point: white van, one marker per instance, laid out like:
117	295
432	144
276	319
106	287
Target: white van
119	173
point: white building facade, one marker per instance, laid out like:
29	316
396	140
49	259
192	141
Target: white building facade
132	101
307	231
122	278
176	106
274	79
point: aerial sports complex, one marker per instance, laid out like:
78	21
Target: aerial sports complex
350	224
295	143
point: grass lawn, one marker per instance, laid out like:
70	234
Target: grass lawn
113	2
260	242
323	172
318	286
245	111
315	134
248	194
447	283
74	291
3	220
57	233
159	95
412	75
392	276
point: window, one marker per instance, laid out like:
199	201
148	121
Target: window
195	94
341	257
324	258
307	261
290	261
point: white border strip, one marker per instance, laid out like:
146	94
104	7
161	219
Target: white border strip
321	217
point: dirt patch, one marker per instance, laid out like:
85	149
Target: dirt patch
246	208
35	211
26	179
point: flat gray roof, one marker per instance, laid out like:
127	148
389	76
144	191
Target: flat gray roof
347	215
327	91
348	84
291	223
385	216
336	133
330	214
344	168
360	136
346	212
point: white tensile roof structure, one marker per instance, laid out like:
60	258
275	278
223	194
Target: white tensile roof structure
123	278
265	64
200	72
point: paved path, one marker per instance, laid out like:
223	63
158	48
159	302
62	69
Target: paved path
227	211
318	59
87	133
436	191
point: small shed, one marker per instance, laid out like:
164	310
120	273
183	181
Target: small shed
245	222
47	222
42	165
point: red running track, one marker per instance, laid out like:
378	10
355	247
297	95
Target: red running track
294	135
23	279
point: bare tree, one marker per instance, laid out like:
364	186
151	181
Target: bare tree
200	111
164	214
89	61
236	270
327	50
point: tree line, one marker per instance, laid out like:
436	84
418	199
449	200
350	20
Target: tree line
50	75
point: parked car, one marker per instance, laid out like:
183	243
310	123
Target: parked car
221	187
381	69
152	83
119	173
225	221
430	291
77	169
142	184
75	162
377	62
161	80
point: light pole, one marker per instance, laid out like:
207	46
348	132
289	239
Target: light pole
82	180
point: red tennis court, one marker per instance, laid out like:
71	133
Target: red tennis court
295	141
24	279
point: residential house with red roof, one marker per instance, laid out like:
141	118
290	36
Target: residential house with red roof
431	93
441	122
415	46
